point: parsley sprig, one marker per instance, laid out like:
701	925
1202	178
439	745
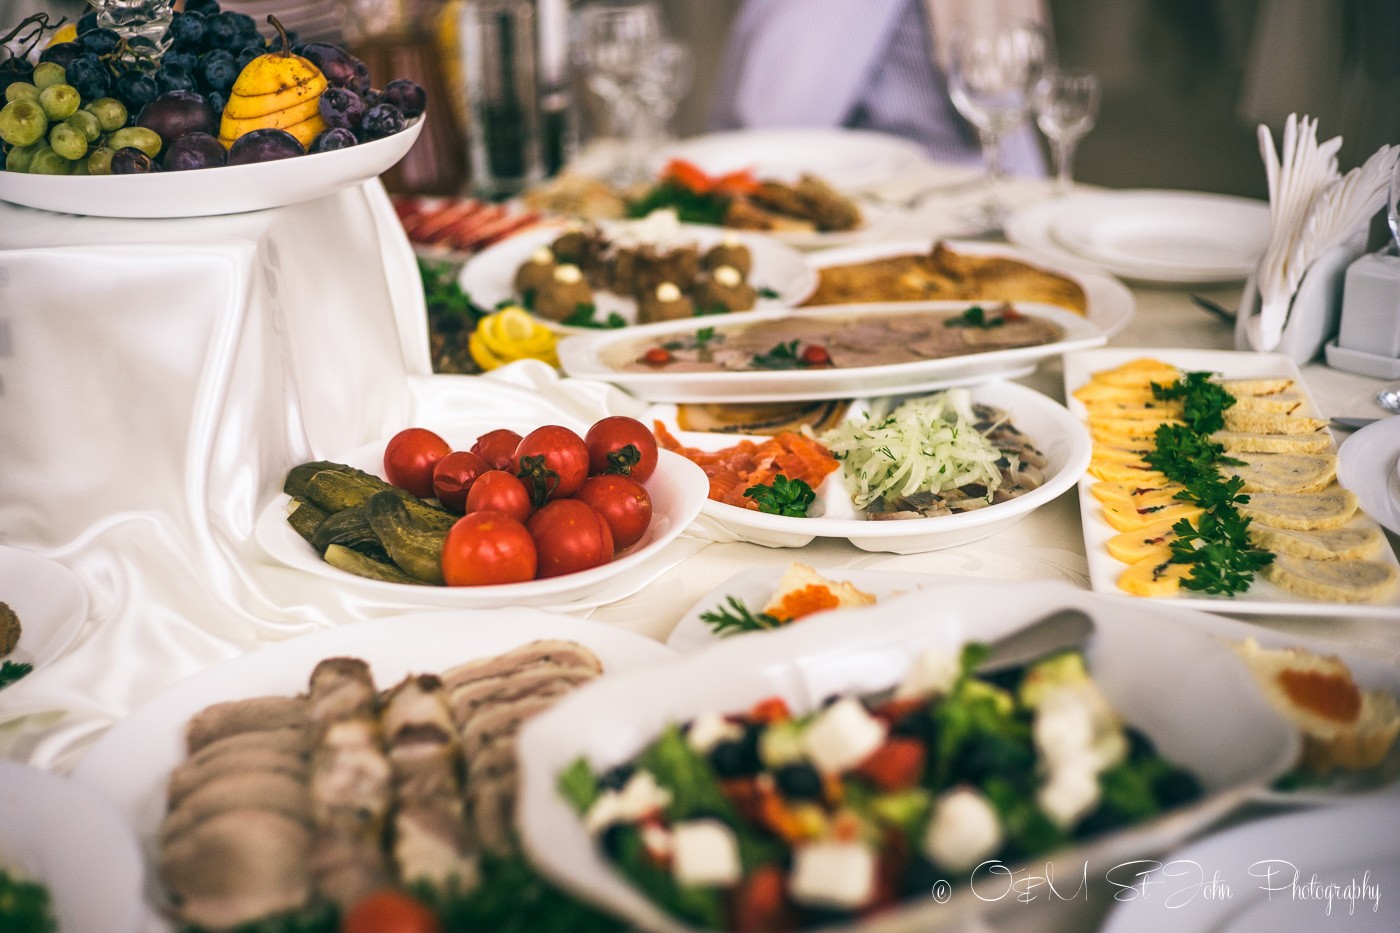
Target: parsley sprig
790	497
975	316
586	315
11	671
738	618
781	356
1218	547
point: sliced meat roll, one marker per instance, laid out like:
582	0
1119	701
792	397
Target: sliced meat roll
545	650
272	791
259	714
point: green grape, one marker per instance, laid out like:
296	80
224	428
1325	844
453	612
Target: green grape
138	137
60	101
19	158
47	74
23	123
88	123
21	90
99	161
80	167
48	162
110	112
68	141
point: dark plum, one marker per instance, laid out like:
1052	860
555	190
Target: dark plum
173	76
340	67
187	30
217	70
194	150
381	120
89	76
14	69
341	107
406	95
175	113
264	145
337	137
62	53
136	89
101	41
131	161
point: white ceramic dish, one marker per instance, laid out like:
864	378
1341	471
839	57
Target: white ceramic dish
49	599
1110	304
1369	465
677	488
1167	231
1057	434
1262	596
1213	723
58	832
1033	227
1243	880
129	765
844	159
204	192
585	356
489	276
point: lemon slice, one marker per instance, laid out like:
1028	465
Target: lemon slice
508	335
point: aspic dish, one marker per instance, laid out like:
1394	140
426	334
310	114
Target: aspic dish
863	651
1295	506
803	359
1050	445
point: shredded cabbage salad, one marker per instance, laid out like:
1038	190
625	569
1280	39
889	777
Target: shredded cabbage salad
928	444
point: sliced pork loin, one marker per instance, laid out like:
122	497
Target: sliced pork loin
347	864
341	688
272	791
499	720
237	867
543	678
258	714
552	651
194	772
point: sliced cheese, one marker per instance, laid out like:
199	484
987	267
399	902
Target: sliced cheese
1129	517
1150	577
1109	491
1133	546
1118	472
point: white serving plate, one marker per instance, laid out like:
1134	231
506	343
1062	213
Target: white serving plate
231	189
1110	305
1058	435
1346	860
58	832
129	765
1213	722
49	599
1262	596
677	487
583	356
1171	232
1369	465
489	276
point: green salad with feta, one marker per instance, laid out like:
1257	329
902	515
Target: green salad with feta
773	819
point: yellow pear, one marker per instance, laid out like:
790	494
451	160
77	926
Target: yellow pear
278	90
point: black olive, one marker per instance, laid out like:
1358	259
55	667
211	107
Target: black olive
799	781
1176	787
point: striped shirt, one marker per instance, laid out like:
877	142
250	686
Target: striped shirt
864	64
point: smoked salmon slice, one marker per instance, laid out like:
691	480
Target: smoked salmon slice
731	470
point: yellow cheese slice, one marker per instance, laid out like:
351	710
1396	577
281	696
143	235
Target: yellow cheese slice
1151	577
1133	546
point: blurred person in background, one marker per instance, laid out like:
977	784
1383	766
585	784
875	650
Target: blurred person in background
860	64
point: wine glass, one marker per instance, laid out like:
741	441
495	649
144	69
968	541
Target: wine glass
616	48
1392	210
666	80
1066	105
990	77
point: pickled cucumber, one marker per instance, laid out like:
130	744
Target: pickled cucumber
412	545
342	558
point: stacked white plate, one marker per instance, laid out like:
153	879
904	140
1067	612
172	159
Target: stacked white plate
1148	236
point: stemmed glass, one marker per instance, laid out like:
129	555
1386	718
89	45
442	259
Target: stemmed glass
617	47
1066	105
990	78
1392	211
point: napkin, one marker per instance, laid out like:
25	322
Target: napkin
1312	210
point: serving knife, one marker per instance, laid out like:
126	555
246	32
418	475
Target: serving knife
1353	424
1063	628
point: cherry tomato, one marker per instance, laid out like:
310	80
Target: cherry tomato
569	536
622	501
499	491
389	912
608	442
657	356
453	477
815	355
409	459
497	447
553	461
488	547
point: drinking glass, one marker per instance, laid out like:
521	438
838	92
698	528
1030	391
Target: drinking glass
617	46
666	80
141	22
1066	105
990	77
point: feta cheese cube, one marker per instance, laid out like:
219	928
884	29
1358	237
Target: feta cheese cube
833	874
709	729
964	831
1071	791
843	736
640	796
705	853
1063	728
932	674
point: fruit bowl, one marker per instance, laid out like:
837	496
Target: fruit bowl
231	189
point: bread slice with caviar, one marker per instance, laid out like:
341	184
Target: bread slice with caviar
1342	725
1349	580
1358	539
803	591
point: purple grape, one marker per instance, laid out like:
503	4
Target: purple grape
175	113
186	30
61	52
247	54
136	89
194	150
217	70
381	120
89	76
332	139
205	7
100	41
341	107
340	67
264	145
131	161
406	95
174	76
